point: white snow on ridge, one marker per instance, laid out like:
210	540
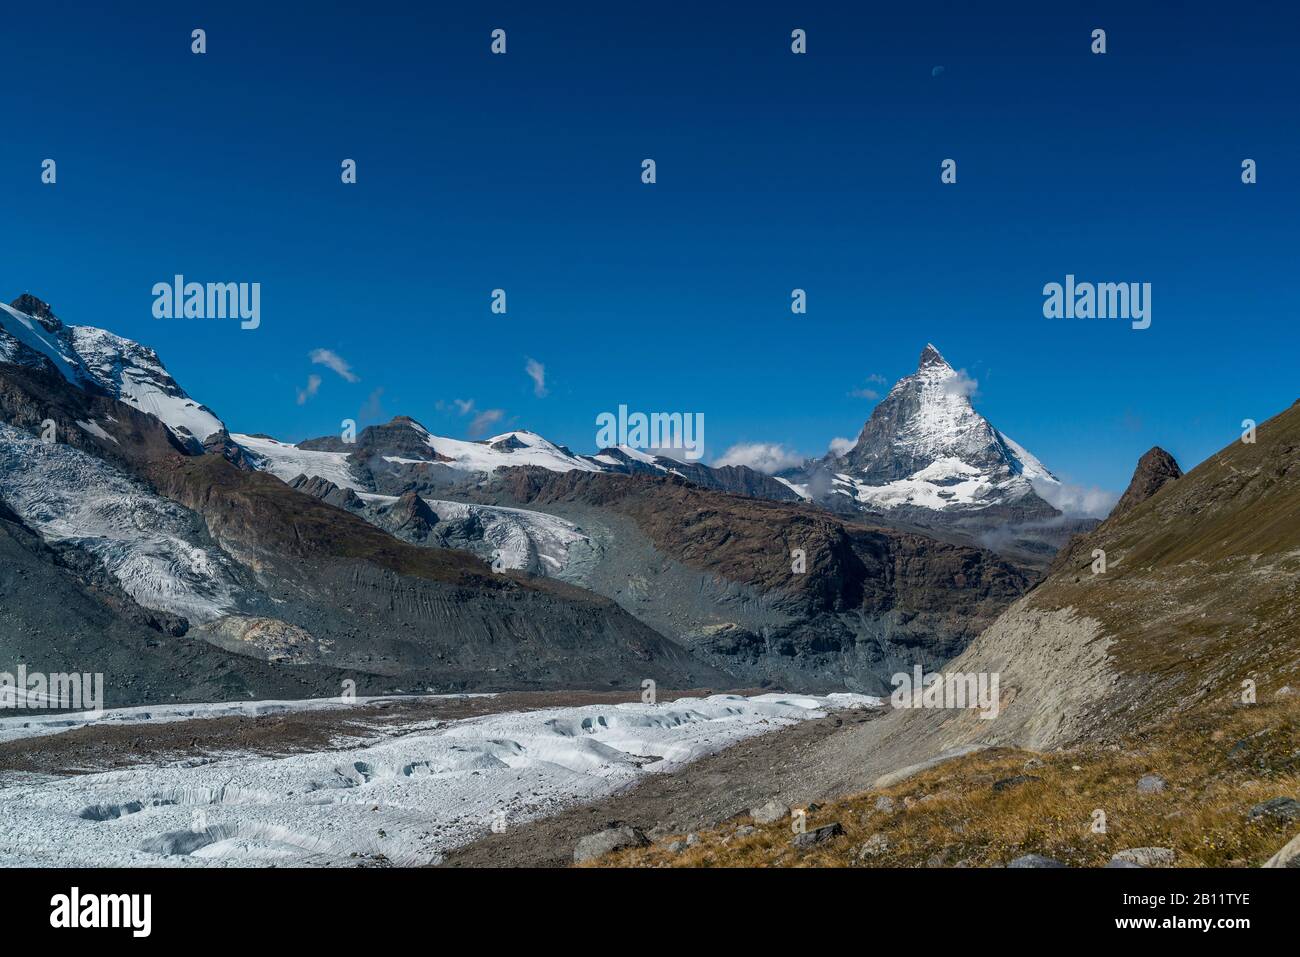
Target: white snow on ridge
287	462
1030	467
800	490
519	448
145	542
410	795
29	332
134	374
123	368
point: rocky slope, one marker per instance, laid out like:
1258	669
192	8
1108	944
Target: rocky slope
722	574
251	564
1195	609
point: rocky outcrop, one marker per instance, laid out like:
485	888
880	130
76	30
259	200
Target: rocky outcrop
327	492
220	443
1156	469
409	518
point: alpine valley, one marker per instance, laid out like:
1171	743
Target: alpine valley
193	562
375	651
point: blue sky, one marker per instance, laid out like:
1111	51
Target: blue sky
775	171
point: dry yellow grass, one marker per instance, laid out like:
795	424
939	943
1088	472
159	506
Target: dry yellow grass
1218	761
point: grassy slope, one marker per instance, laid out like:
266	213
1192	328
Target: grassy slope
1202	588
1218	762
1200	594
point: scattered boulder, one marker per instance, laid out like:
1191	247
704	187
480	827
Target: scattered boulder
1285	691
1151	784
1283	810
1033	763
614	838
770	813
818	836
692	839
1035	860
1144	857
745	830
676	847
885	803
875	845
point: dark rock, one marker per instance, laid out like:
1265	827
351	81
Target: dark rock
1154	471
1007	783
1283	810
818	836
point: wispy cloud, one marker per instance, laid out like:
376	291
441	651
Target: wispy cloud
866	392
332	360
484	421
309	392
841	445
765	457
1078	500
537	372
373	410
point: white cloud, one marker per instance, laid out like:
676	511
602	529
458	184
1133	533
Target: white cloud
537	372
962	384
766	457
840	445
484	421
313	386
1076	500
373	409
332	360
866	392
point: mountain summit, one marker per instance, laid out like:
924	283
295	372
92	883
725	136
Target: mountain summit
101	362
926	447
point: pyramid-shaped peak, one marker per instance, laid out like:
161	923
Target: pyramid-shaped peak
930	356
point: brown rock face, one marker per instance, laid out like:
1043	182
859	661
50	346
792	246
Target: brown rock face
1154	470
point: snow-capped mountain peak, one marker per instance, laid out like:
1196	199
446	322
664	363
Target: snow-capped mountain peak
926	446
95	359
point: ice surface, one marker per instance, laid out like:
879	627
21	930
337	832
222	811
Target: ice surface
287	462
150	545
411	794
